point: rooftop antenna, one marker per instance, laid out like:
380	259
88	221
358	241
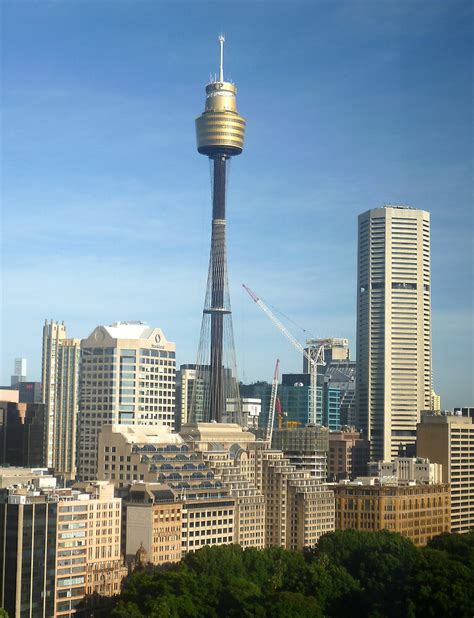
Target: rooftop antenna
221	68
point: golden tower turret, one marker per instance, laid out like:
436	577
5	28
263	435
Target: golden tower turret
220	128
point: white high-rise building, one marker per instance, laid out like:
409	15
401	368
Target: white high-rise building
393	326
128	376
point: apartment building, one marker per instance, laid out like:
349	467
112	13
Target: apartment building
447	438
127	377
417	511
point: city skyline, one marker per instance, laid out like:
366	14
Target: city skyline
129	243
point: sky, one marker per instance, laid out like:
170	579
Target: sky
106	202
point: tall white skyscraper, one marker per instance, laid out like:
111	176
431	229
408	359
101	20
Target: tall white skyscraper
128	376
60	388
393	326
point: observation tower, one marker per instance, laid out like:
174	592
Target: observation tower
220	136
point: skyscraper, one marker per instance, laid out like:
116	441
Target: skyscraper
220	136
60	379
393	326
128	375
19	373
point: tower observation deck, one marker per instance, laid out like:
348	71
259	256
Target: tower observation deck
220	136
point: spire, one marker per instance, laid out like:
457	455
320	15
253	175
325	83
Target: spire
221	67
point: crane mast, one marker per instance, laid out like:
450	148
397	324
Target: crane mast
271	411
314	359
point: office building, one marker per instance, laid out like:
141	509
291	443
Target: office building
22	431
448	439
128	376
348	454
60	388
184	393
393	326
30	392
294	395
58	546
19	372
418	512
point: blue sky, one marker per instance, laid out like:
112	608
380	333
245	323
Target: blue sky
106	203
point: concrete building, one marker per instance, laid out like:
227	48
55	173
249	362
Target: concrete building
448	439
22	431
348	454
409	469
60	388
19	372
393	326
128	377
185	378
59	545
417	511
306	448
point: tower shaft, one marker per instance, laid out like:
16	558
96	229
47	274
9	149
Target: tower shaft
218	269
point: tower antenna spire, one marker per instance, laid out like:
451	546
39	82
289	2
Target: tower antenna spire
221	66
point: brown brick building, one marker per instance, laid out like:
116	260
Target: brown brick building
417	511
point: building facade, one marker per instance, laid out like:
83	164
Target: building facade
448	439
128	376
417	511
393	326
